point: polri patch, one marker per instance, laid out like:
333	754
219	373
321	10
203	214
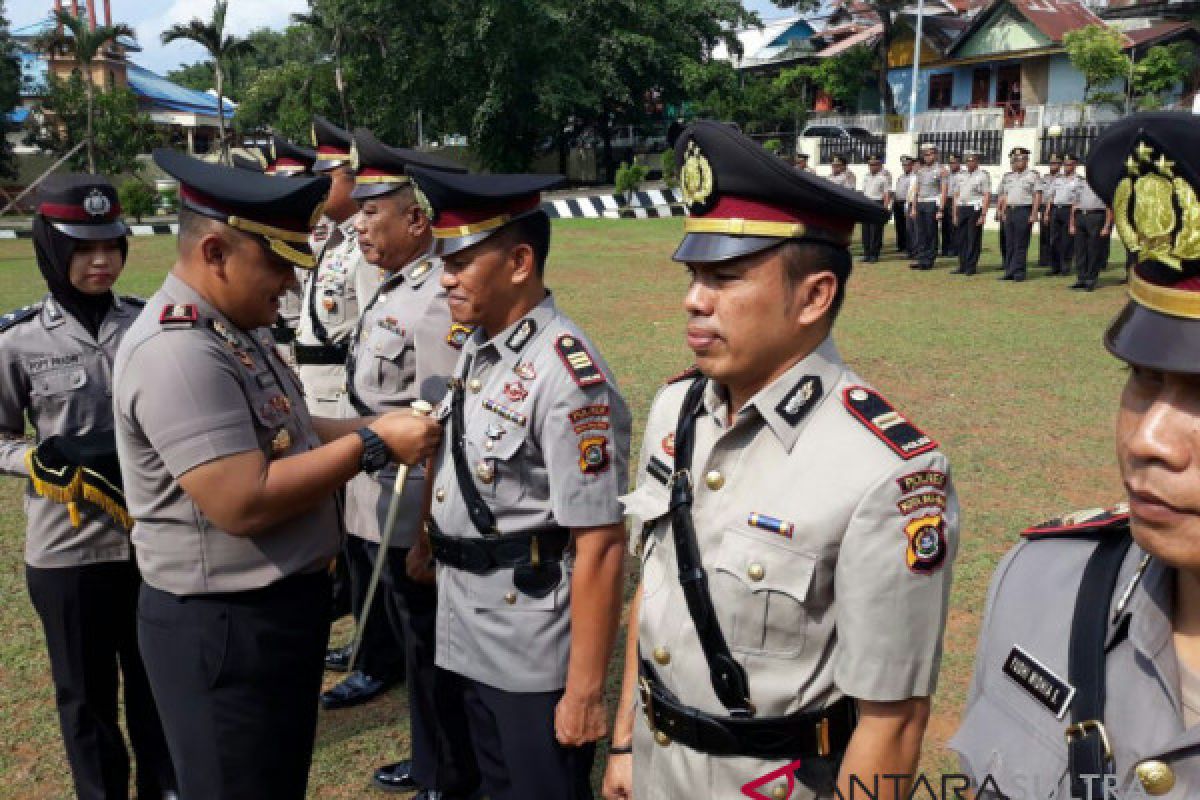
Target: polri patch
893	428
579	361
935	500
458	334
178	315
796	404
922	479
524	331
593	455
926	544
1035	678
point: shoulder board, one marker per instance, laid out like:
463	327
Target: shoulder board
686	375
579	361
178	316
1089	523
20	315
133	300
880	418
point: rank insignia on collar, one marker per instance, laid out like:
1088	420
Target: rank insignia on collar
515	392
281	441
458	335
926	544
1089	523
800	400
525	371
593	455
579	361
178	315
521	336
893	428
420	270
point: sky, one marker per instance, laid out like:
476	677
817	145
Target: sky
150	17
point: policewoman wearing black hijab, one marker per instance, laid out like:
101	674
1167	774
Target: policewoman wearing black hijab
56	374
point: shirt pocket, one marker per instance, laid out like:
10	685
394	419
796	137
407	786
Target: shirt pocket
334	295
760	590
59	382
498	469
992	742
392	357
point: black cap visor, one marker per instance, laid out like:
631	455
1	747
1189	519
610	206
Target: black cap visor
365	191
1153	340
93	233
703	248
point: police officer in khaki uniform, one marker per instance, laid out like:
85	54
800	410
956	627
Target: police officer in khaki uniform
1061	193
56	362
291	160
840	174
925	209
970	202
405	350
231	484
877	186
1087	676
779	499
1091	227
526	525
1050	183
951	178
900	218
1017	200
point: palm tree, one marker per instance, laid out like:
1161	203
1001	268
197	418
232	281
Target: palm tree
331	32
221	48
72	36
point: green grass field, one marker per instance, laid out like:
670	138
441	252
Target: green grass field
1011	379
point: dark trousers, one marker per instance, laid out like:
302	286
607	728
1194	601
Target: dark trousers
236	677
381	654
343	595
927	234
1061	241
89	616
970	238
949	238
872	240
515	745
900	221
1045	239
1017	229
1091	249
441	748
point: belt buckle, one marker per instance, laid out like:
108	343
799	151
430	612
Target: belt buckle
823	748
535	556
683	474
1080	730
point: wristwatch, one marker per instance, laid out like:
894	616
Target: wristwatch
375	452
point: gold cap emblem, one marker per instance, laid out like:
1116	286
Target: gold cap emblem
422	200
314	135
696	177
354	162
1144	206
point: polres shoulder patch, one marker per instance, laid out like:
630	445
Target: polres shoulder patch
1090	523
880	418
20	315
579	361
686	375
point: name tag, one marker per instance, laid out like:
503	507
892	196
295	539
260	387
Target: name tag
1043	685
39	364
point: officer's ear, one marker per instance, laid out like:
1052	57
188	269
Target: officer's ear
523	262
418	221
215	250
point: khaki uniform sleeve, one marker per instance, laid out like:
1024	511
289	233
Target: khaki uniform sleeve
14	398
585	441
892	582
187	399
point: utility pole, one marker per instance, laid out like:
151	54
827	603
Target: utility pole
916	72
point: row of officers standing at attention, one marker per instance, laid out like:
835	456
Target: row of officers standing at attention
943	208
796	533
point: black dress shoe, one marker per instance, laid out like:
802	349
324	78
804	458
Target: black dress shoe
957	272
1005	278
395	777
358	688
337	659
1078	285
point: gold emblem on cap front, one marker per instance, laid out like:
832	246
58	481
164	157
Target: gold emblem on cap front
696	177
1144	210
354	164
314	135
422	200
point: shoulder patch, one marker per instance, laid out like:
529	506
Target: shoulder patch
893	428
133	300
1089	523
687	374
579	361
178	315
20	315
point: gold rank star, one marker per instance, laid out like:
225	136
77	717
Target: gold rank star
1165	166
1144	151
1132	166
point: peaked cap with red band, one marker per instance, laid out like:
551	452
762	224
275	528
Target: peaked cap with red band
333	144
470	208
290	159
81	206
281	213
382	169
1145	168
743	199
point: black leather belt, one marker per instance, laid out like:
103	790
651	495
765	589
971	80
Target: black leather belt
283	334
1060	205
804	734
1090	210
320	354
481	556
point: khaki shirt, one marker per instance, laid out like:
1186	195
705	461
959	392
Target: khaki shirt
1088	200
405	351
1020	187
846	179
189	394
1062	190
1008	732
57	376
804	519
903	187
340	284
546	452
927	184
973	189
877	186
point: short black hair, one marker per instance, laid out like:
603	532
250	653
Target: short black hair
533	230
801	258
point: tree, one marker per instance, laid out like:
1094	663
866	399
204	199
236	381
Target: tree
221	48
841	77
72	36
120	131
10	96
1096	51
331	32
1160	70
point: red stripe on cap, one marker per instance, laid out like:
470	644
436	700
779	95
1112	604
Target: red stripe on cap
287	161
454	217
200	198
730	207
330	150
65	213
375	172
